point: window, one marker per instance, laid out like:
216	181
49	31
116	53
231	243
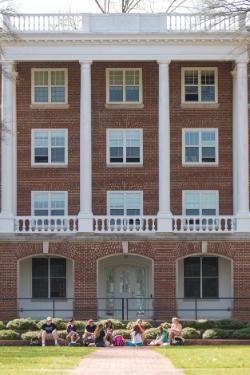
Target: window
52	203
200	146
201	277
124	146
48	278
124	203
199	85
200	203
49	146
124	86
49	86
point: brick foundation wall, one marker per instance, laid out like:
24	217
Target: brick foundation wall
85	256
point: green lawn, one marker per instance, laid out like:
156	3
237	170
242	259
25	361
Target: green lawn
40	361
210	360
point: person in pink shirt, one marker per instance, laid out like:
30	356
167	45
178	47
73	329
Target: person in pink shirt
175	330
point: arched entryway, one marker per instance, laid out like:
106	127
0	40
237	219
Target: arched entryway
125	287
45	286
204	287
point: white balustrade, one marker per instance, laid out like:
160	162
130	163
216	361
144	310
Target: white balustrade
204	224
45	224
129	23
125	224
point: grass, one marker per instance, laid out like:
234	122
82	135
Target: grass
40	361
209	360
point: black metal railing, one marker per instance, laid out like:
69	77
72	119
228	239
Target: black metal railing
126	308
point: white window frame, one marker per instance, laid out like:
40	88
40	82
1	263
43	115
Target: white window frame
200	192
49	201
49	70
124	147
199	69
124	70
200	130
49	131
124	192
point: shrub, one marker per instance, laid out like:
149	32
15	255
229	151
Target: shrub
201	324
217	333
80	325
229	324
117	324
62	334
2	326
190	333
9	335
60	324
166	325
150	333
22	325
29	335
125	333
243	333
147	325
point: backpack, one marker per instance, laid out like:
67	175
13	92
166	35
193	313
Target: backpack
119	341
178	341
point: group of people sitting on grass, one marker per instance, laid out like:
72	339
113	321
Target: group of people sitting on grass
101	335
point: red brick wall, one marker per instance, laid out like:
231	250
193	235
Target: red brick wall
86	254
134	178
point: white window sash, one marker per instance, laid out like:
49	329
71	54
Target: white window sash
125	194
50	193
199	193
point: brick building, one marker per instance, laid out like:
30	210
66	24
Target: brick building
125	188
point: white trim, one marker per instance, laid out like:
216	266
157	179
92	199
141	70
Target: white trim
49	200
124	192
124	70
124	131
199	69
49	131
200	163
49	70
200	192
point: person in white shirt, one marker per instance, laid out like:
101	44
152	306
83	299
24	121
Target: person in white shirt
136	337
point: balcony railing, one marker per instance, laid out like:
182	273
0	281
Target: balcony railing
125	224
201	224
46	224
121	23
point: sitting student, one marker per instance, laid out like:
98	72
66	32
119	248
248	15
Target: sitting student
88	336
136	337
108	328
48	331
71	329
175	330
140	324
99	336
74	337
161	338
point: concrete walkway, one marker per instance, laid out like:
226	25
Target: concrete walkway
125	361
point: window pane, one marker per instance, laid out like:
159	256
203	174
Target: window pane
191	138
208	212
192	288
132	77
57	138
209	200
57	78
191	94
41	139
39	288
132	93
133	200
116	77
116	204
210	266
117	212
133	212
58	267
210	288
208	138
116	93
133	154
207	93
41	78
192	154
192	202
39	267
41	200
116	154
207	77
41	94
58	94
41	155
208	154
38	212
191	77
57	155
58	288
192	212
192	267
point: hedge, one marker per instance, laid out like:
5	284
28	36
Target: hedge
217	333
29	335
125	333
166	325
80	325
201	325
229	324
117	324
22	325
150	333
147	325
2	326
243	333
9	334
190	333
60	323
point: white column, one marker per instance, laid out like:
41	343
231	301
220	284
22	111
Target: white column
164	214
235	144
8	159
85	217
241	148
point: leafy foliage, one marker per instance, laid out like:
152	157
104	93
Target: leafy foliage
217	333
190	333
22	325
125	333
9	334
